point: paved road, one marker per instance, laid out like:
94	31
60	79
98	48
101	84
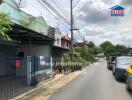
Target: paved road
96	83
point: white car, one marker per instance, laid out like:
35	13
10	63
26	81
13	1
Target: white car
120	67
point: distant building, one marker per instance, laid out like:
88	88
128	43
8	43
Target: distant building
65	42
55	33
81	44
31	40
60	44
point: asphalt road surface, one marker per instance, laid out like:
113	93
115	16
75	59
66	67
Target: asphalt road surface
96	83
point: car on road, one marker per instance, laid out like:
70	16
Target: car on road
96	59
120	67
129	79
110	62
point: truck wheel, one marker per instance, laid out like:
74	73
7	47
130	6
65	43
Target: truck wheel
117	77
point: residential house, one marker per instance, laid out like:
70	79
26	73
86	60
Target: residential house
30	27
65	42
61	43
8	48
30	36
40	44
81	44
56	47
37	24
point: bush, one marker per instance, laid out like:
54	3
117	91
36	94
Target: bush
5	26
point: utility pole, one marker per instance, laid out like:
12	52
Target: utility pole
72	47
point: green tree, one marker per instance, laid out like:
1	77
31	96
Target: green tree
5	26
91	44
107	47
121	48
106	44
85	53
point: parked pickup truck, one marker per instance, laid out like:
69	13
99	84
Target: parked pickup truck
110	62
111	59
120	67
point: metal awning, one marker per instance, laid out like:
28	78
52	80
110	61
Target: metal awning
11	43
24	35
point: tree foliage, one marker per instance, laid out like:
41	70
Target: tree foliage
121	48
107	47
86	53
91	44
5	26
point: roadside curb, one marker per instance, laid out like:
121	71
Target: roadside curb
40	85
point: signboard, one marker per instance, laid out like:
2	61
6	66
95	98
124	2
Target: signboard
117	11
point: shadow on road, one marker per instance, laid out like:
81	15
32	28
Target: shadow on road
130	93
121	81
124	82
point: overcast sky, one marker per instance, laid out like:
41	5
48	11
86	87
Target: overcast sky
92	17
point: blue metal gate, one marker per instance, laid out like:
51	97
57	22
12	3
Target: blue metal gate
19	74
41	69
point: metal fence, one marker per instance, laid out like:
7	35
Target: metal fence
41	69
19	74
12	77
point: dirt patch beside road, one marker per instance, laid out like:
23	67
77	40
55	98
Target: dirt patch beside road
46	91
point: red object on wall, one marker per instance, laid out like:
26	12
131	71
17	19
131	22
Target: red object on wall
17	64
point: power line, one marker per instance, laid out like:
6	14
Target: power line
60	10
55	11
76	4
49	12
52	13
25	18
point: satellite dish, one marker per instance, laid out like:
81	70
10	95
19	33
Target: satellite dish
22	3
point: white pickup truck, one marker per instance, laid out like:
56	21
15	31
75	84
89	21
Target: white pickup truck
121	65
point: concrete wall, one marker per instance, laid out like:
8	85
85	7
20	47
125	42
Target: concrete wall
36	50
